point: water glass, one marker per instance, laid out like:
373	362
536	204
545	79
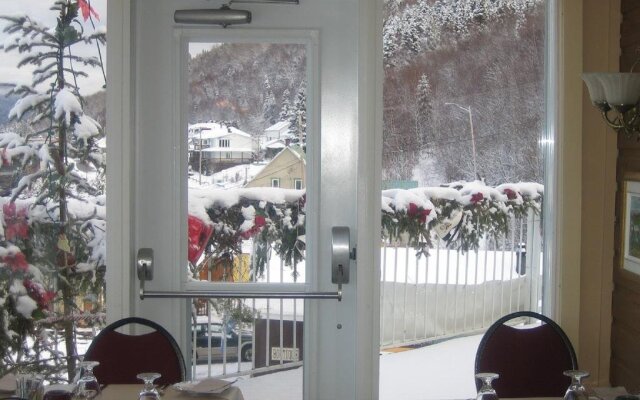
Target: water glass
576	390
87	386
149	391
57	394
487	392
29	386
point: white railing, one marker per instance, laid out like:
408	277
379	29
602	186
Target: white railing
423	299
452	293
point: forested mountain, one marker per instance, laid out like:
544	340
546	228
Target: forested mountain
246	84
486	56
6	102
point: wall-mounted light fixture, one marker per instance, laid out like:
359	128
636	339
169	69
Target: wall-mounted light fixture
224	15
617	96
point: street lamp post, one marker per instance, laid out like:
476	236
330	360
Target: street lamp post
473	139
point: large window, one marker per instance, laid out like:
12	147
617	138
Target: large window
463	171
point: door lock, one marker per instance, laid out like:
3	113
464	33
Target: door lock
340	254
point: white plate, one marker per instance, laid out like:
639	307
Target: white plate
203	387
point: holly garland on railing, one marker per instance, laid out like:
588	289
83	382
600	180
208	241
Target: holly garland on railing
273	218
460	214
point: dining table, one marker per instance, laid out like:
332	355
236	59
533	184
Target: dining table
131	391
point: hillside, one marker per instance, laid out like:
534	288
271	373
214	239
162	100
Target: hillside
6	102
245	83
489	61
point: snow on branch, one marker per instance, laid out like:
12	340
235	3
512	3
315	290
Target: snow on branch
27	103
66	103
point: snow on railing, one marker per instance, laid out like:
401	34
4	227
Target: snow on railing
460	214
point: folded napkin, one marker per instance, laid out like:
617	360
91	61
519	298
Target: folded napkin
8	383
210	385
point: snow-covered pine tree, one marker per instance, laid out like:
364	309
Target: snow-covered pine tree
52	248
298	119
285	109
425	108
269	107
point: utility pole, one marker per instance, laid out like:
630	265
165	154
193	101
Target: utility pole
473	139
200	160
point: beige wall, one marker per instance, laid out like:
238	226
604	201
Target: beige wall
601	49
589	41
286	167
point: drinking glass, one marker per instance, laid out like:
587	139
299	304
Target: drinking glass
487	392
57	394
29	386
576	390
87	387
149	391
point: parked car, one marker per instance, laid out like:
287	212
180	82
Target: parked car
218	345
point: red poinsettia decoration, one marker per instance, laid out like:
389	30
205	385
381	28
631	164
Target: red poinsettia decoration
415	211
37	292
87	10
16	222
258	222
199	235
5	158
477	198
511	194
16	262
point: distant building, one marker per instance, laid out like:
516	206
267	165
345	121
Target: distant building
399	184
275	138
214	146
286	170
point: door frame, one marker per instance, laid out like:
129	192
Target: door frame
122	288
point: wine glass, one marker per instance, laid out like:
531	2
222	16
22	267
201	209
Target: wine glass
87	386
149	391
576	390
487	392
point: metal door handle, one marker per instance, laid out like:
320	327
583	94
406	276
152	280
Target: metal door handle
340	261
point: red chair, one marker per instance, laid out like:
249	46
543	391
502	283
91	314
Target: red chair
123	356
530	359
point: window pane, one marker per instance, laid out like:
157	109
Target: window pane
247	144
462	177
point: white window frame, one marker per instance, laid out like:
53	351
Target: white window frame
297	183
224	143
275	182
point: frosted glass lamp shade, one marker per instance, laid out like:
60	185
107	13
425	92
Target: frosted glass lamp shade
621	89
596	90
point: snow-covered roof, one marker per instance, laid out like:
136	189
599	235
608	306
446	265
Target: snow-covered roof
210	130
278	126
297	150
226	149
275	144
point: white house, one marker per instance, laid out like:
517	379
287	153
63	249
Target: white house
214	146
275	138
279	130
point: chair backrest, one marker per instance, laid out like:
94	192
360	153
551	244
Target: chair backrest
530	360
123	356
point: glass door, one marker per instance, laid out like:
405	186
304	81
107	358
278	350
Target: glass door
193	150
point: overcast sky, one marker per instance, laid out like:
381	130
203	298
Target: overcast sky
39	10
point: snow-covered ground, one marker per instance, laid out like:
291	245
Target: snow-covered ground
440	371
234	177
